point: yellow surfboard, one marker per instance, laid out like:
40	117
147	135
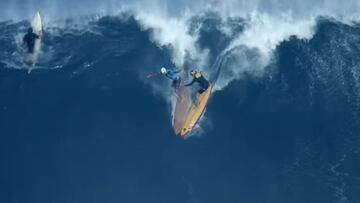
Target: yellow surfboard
196	111
183	105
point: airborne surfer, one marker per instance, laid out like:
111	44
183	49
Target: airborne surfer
173	76
29	40
199	78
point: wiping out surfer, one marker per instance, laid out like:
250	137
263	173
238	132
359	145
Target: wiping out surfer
29	40
199	78
173	76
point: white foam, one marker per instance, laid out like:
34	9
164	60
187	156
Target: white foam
253	50
265	32
171	32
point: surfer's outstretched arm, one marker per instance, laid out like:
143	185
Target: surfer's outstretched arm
192	82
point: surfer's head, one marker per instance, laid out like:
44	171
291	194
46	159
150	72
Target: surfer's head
163	70
30	30
192	72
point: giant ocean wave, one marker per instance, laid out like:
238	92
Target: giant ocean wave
282	125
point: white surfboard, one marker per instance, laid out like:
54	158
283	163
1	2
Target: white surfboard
37	29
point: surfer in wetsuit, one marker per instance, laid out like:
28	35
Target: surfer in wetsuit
199	78
172	75
29	40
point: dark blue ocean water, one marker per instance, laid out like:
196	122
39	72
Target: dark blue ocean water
87	127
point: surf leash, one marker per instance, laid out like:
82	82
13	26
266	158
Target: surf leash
151	75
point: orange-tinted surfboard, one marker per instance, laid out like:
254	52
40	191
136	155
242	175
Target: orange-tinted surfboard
183	105
196	112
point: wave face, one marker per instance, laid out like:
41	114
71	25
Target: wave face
86	125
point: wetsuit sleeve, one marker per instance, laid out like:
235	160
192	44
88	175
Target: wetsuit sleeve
192	82
167	75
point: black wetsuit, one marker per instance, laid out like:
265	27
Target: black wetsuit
204	84
29	40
